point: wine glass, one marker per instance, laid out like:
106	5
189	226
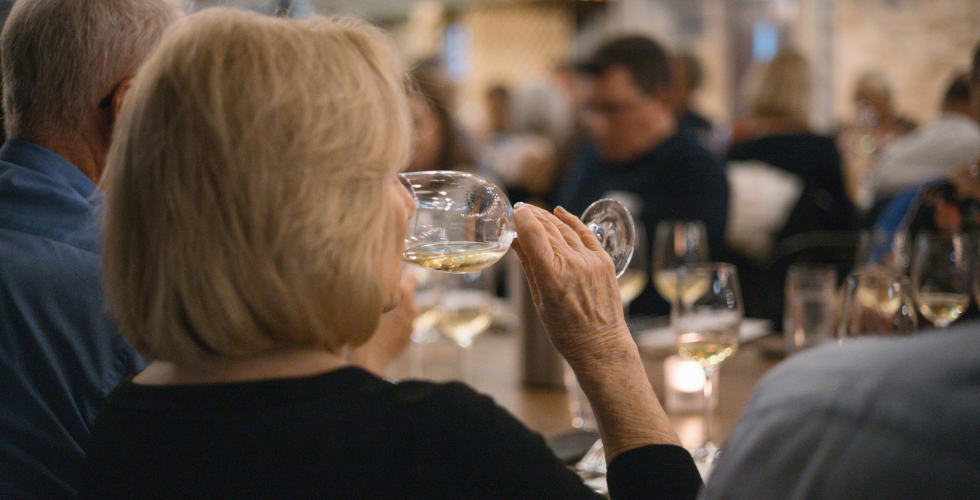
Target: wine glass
706	316
941	281
464	312
464	223
428	296
876	301
636	276
676	243
883	249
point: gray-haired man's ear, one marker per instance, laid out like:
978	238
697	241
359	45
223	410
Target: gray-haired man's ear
119	96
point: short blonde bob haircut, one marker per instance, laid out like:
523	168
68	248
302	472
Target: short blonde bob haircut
785	88
246	188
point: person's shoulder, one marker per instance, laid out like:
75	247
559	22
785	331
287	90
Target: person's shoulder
914	367
449	403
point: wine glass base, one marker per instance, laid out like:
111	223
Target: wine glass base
613	226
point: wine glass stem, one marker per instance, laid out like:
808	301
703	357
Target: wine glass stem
599	234
706	404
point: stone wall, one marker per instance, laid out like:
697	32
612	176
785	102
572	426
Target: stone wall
917	44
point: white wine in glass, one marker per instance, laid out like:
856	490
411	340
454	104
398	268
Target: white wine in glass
876	301
454	256
464	313
676	243
706	325
634	279
631	283
941	277
463	223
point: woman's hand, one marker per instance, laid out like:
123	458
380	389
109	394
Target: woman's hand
572	282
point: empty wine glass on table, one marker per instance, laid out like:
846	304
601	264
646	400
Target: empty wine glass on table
676	243
706	316
941	277
464	223
876	301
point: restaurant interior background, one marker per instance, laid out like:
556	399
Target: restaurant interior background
917	44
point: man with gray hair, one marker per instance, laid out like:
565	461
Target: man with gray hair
66	66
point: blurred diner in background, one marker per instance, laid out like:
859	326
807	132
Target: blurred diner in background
800	313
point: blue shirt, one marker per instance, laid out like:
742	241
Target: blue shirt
676	180
59	354
874	418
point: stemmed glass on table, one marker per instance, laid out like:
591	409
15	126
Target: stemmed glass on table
463	313
941	277
706	316
464	224
675	244
876	301
634	279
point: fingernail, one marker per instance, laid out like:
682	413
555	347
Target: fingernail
518	205
559	207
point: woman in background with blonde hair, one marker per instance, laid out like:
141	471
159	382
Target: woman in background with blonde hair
778	135
254	229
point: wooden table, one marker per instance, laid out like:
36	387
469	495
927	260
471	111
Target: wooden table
498	373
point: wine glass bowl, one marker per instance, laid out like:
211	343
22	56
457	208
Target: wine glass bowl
941	277
464	312
462	222
876	301
633	280
676	243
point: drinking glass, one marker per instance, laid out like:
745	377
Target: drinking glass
464	223
941	280
464	312
876	301
810	314
428	296
636	276
676	243
883	249
706	316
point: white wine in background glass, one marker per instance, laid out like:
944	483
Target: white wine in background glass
706	321
941	277
428	296
876	302
636	276
676	243
464	223
464	312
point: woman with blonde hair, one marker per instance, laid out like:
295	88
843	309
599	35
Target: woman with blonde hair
254	228
778	138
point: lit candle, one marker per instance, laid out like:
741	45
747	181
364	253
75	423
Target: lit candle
684	385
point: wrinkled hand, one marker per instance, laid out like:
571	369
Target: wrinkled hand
572	282
394	331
